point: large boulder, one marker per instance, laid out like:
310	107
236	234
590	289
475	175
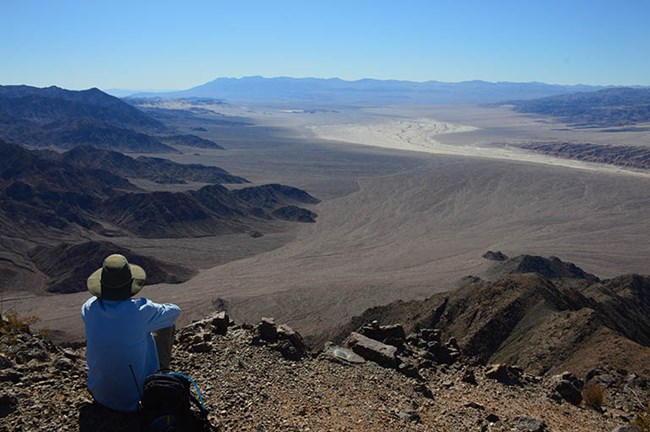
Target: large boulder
385	333
566	386
373	350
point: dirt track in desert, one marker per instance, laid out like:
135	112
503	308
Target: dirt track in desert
392	225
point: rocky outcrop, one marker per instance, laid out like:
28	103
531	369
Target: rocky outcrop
281	338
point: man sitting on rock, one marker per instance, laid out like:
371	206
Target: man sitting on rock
127	339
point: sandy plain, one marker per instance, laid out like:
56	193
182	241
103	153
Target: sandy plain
411	199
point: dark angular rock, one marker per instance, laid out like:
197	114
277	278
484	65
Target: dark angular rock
10	375
8	404
412	339
469	377
410	414
5	362
266	330
452	343
503	374
290	343
383	333
424	364
492	418
35	352
424	391
568	376
201	347
396	342
495	256
474	405
63	363
627	428
409	369
568	392
430	335
287	350
527	424
220	322
373	350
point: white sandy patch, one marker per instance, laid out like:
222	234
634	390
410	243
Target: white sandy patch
416	135
420	135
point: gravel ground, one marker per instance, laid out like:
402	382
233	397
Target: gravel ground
252	387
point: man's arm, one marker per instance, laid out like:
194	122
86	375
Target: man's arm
160	315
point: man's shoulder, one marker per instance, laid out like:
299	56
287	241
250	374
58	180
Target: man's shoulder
145	302
88	303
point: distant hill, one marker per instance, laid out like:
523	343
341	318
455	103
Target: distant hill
191	141
68	265
318	91
602	108
46	105
154	169
543	314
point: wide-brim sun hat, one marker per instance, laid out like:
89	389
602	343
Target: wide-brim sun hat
116	279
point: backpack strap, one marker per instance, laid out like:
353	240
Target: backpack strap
200	402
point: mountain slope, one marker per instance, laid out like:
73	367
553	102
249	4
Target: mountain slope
154	169
41	194
71	133
541	324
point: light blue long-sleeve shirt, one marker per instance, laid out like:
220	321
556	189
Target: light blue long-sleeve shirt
118	334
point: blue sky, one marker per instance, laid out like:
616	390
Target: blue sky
167	44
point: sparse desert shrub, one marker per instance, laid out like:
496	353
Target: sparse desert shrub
593	395
12	323
643	419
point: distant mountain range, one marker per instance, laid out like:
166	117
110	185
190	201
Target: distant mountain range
604	108
542	314
318	91
74	195
54	117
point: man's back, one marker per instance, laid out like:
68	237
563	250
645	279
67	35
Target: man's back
120	349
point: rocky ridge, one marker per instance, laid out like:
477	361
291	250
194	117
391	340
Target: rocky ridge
543	314
261	378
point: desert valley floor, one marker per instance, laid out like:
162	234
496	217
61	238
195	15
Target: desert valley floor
393	223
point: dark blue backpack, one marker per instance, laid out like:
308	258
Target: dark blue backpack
166	405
